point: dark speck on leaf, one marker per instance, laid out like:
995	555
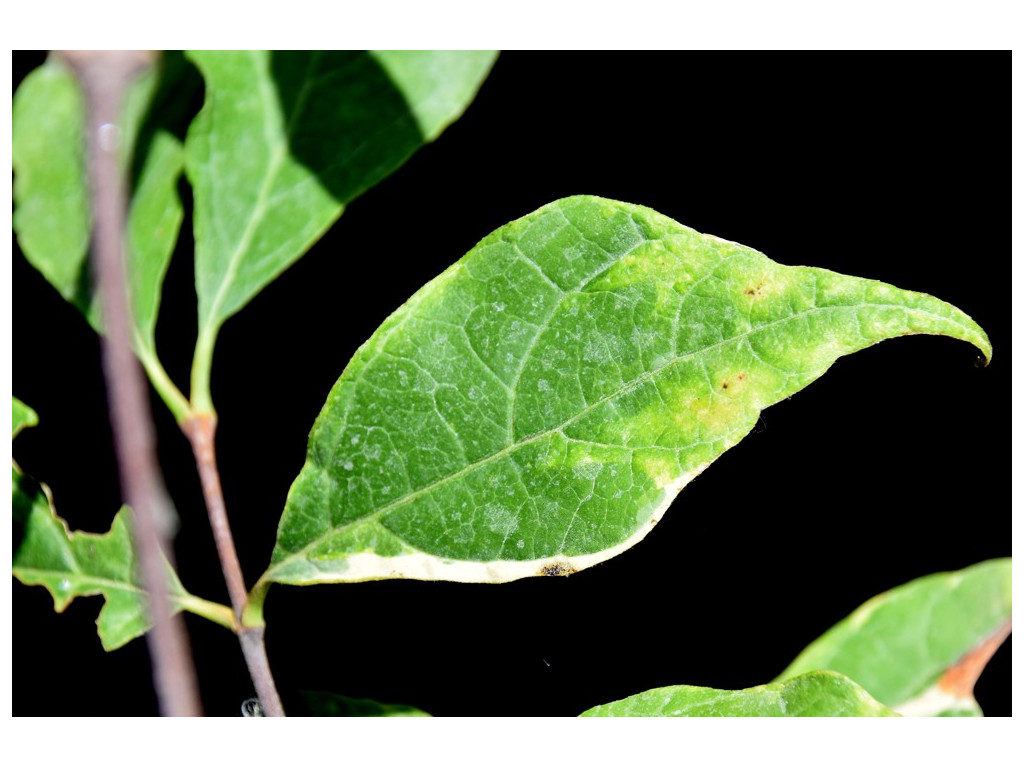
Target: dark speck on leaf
556	570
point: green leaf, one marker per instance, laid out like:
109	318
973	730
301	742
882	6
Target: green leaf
78	564
156	212
21	417
154	219
51	192
920	647
51	213
285	140
324	704
816	694
535	409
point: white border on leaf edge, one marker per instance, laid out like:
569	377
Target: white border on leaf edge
368	566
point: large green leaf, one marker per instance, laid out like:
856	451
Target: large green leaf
816	694
285	140
78	564
919	647
535	409
51	215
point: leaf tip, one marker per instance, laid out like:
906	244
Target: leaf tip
22	417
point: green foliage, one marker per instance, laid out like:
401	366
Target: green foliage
21	417
911	648
51	208
79	564
285	141
532	411
925	627
52	211
535	409
815	694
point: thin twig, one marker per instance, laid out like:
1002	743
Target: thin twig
255	652
201	430
104	76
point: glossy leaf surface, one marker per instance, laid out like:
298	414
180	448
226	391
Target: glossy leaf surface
916	647
286	139
324	704
816	694
77	564
535	409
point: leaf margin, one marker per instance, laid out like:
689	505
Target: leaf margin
768	700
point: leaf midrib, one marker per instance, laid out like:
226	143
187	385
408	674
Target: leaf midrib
374	515
123	586
280	152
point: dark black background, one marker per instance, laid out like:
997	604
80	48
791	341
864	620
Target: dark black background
892	466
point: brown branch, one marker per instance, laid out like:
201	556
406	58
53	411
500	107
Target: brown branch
104	76
201	430
255	652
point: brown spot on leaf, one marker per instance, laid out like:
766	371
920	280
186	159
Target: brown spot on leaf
739	377
753	290
557	569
